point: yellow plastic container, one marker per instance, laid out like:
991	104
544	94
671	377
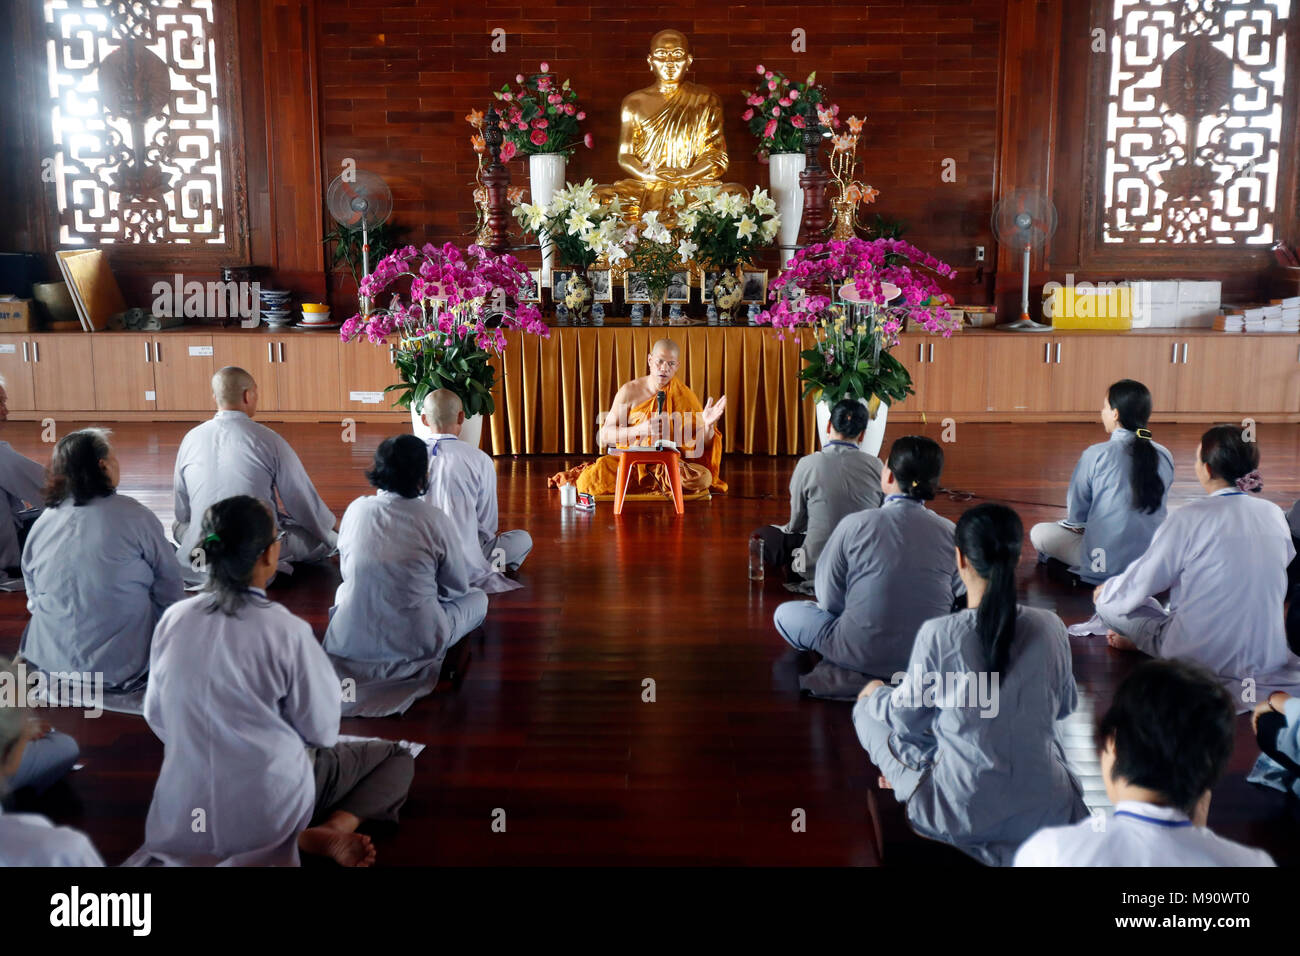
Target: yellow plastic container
1091	308
314	307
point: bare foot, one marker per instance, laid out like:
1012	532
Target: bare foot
1120	642
884	784
345	849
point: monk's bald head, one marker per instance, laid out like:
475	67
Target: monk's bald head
664	359
231	388
442	408
670	56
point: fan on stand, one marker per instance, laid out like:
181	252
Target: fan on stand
362	199
1024	221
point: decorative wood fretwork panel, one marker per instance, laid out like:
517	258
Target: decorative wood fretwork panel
144	109
1194	105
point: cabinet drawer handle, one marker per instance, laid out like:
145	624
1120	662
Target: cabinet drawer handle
270	356
920	352
1184	353
932	352
1047	352
36	351
157	351
24	350
148	357
1058	353
1174	358
281	351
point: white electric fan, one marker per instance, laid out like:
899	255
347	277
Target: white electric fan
1024	221
360	199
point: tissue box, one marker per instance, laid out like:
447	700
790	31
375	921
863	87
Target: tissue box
16	315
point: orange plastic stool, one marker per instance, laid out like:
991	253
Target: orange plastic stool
667	458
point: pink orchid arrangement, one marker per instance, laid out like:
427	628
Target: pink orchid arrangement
459	306
778	111
850	358
540	114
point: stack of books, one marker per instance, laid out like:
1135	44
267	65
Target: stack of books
1290	313
1234	321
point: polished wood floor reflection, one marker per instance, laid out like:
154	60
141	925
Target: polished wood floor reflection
550	725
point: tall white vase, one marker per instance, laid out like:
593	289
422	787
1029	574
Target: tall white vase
875	434
545	178
471	432
783	171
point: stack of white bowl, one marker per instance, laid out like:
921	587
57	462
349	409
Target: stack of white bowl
275	307
315	313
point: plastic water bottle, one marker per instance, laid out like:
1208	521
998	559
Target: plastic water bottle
755	558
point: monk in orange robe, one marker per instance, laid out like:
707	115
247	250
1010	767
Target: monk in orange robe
634	420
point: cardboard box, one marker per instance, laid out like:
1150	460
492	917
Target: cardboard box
16	315
1198	303
1155	304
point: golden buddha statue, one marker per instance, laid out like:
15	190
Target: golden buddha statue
670	137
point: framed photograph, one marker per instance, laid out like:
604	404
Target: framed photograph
531	291
679	287
635	288
754	288
559	281
707	281
602	285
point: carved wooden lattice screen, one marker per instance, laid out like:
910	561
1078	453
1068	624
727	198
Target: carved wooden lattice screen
144	120
1192	100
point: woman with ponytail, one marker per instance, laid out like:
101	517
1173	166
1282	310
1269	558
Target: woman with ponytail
884	572
1223	559
967	739
246	704
1117	492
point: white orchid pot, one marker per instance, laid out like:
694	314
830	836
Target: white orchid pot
471	431
783	172
875	434
545	179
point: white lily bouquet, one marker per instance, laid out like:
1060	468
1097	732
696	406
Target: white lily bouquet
722	230
582	230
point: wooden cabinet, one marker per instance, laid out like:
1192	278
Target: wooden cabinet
255	354
950	375
16	367
1019	373
63	373
182	372
123	372
307	368
365	370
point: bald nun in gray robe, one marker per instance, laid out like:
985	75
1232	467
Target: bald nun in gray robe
463	483
405	599
233	455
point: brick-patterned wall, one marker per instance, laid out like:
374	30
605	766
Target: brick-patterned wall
397	78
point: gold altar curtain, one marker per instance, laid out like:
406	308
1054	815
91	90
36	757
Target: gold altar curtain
552	394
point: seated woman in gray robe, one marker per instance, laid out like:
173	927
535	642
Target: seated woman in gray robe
406	595
29	839
247	707
968	740
98	569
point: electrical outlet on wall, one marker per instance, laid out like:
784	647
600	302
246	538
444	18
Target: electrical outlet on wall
979	253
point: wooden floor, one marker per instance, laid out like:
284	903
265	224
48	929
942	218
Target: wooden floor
549	724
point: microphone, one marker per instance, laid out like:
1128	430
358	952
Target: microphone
660	399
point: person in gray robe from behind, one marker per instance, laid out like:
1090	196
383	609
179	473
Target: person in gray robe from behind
826	487
98	569
233	455
405	597
968	739
884	572
21	482
463	483
246	705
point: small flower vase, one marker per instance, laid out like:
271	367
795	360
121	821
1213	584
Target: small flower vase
637	312
726	295
562	314
657	309
598	314
753	313
712	314
578	298
545	179
783	171
675	316
845	213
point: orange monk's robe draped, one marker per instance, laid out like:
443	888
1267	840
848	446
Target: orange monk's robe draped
699	472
